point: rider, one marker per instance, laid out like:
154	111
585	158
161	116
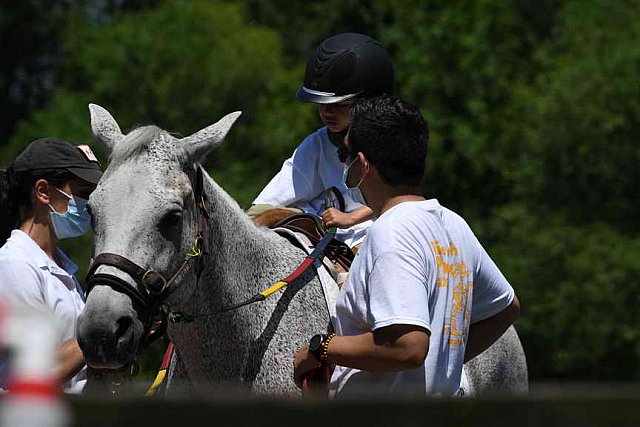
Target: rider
344	68
43	198
423	296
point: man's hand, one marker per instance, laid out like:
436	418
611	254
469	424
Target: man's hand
303	364
333	217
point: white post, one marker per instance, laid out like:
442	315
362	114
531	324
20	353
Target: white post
34	397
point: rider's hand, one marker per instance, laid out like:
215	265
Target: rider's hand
303	364
334	218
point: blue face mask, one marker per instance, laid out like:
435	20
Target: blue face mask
353	192
74	222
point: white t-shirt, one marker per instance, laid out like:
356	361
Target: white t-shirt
420	265
313	168
29	278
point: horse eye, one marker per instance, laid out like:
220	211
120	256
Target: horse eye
171	218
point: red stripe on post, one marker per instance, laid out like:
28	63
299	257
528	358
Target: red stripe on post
23	388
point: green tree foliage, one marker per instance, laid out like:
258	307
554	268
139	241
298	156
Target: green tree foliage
579	119
579	294
459	61
30	36
182	66
573	246
29	32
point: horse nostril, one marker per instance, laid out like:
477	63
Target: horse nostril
124	323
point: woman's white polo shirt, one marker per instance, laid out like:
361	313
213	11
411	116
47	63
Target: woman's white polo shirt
30	278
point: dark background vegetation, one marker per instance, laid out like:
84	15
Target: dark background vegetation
533	106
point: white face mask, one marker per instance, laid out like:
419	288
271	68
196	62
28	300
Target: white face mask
74	222
353	192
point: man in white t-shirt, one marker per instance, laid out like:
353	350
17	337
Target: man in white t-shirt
423	296
345	67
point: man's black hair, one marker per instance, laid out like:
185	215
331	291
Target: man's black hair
393	135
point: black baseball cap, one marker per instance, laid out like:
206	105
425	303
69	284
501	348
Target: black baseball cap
54	153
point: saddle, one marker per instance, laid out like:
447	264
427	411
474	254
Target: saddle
311	227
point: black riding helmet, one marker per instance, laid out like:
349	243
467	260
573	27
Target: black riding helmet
345	66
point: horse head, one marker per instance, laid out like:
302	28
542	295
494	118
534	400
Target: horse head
147	211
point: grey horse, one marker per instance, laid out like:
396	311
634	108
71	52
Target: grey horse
145	210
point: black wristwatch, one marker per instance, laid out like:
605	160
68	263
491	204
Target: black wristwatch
315	345
319	346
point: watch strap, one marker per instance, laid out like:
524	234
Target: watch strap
324	347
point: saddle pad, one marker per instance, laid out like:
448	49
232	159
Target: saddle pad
327	275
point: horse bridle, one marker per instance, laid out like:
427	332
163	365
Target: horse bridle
155	287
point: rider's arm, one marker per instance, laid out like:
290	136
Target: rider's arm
70	360
334	218
485	332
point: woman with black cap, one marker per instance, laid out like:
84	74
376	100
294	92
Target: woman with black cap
344	68
43	199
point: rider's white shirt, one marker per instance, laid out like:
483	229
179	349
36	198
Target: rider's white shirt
29	278
420	265
313	168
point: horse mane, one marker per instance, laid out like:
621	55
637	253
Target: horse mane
134	142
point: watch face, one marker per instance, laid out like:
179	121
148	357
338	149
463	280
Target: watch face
315	342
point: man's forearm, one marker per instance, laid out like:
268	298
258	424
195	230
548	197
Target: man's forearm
70	360
380	353
485	332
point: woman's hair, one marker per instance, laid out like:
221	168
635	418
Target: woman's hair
15	194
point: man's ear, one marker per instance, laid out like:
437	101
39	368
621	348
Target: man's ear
42	192
366	166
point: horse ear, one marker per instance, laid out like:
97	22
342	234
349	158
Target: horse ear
198	145
105	128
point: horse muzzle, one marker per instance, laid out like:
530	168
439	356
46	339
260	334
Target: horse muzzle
109	330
